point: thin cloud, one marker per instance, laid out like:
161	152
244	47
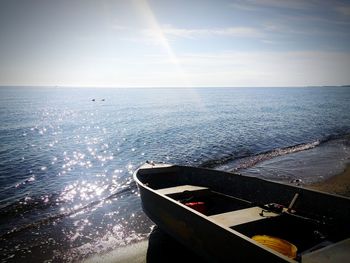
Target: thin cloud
306	25
286	29
314	9
343	9
288	4
120	27
251	5
206	32
264	68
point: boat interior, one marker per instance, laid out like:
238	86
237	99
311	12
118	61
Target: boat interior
308	231
251	219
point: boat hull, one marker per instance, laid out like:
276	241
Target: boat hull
212	241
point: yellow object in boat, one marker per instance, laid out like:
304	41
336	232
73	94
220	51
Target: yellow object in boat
282	246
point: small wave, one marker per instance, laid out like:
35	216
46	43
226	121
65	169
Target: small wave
218	162
71	212
253	160
246	159
114	241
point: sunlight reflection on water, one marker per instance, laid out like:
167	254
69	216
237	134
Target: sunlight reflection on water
68	161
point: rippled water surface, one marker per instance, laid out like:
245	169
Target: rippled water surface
67	155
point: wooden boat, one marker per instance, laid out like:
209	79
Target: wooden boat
216	214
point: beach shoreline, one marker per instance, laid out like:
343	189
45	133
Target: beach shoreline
134	253
338	184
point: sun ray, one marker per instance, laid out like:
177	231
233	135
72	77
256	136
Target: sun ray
157	33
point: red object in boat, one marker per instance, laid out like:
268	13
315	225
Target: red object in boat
198	206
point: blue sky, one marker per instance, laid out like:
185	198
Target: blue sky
161	43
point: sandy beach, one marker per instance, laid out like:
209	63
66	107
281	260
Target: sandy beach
338	184
135	253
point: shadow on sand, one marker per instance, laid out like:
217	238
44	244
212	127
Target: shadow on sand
163	248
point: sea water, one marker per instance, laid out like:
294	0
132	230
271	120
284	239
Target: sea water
67	154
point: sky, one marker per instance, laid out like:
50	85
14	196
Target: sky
167	43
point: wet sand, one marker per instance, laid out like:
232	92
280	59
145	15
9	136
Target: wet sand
135	253
159	247
338	184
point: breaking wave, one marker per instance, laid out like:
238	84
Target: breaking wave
251	161
246	160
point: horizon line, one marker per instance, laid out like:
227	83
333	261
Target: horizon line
165	87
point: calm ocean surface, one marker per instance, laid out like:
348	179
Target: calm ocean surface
66	161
